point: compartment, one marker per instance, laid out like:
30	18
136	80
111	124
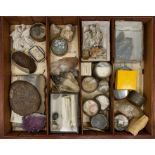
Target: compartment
64	68
13	73
143	74
102	26
77	21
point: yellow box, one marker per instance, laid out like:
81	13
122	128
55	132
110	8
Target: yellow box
126	79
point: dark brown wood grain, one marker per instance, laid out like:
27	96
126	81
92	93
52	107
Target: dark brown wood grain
1	84
153	82
5	74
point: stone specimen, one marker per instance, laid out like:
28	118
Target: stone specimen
64	65
55	116
24	98
85	54
95	52
136	98
92	36
65	82
59	46
126	108
67	32
121	122
34	122
104	101
55	31
95	37
103	86
69	83
24	62
38	32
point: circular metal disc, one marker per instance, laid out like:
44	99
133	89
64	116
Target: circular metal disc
99	121
38	32
24	98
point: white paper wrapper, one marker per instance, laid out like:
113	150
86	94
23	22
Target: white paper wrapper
104	27
133	41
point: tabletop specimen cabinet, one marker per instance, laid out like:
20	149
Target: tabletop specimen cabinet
5	76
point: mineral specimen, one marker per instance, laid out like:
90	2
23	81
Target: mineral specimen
103	100
103	86
55	31
95	52
64	65
24	62
136	98
128	109
34	122
92	36
67	32
59	46
121	122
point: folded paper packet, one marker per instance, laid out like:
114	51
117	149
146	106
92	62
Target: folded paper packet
137	124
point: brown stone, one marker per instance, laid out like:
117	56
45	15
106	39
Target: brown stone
25	62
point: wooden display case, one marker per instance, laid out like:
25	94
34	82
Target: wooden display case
5	76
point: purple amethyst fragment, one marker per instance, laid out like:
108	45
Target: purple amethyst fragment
34	122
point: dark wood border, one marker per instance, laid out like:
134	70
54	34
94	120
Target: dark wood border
1	83
66	136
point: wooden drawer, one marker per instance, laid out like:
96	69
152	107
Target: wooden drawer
5	76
